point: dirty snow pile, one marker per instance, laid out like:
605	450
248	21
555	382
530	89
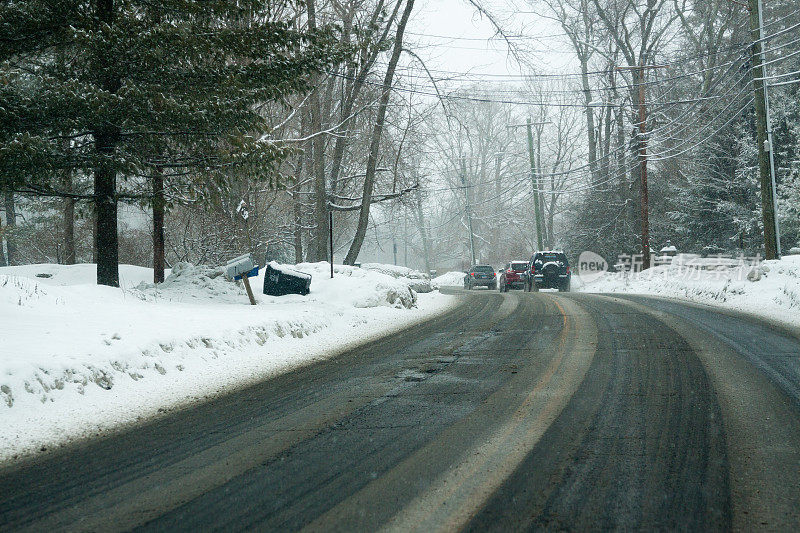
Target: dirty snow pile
77	359
450	279
419	282
767	288
188	283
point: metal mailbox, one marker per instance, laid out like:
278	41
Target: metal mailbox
240	265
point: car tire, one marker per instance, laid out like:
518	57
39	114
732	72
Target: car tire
535	287
493	286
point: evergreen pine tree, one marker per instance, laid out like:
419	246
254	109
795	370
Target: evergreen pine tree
172	87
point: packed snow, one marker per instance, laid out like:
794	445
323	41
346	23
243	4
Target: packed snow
767	288
450	279
421	282
77	359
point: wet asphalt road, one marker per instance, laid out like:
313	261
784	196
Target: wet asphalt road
514	411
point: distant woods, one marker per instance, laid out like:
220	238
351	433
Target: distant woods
153	133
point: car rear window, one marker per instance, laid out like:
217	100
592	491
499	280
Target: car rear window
519	267
547	258
483	269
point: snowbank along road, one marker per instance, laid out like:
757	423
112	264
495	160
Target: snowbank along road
511	411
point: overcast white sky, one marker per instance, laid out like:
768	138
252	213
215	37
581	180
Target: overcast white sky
474	47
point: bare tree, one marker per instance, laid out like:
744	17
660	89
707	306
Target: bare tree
377	131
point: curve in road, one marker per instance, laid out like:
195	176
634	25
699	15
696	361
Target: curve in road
513	411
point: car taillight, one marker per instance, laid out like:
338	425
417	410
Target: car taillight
494	274
567	270
472	274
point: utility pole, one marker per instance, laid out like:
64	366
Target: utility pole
534	179
540	183
537	205
766	156
638	77
469	210
535	184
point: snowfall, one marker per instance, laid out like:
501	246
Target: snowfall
79	360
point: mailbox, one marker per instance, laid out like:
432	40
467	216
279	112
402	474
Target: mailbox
240	265
242	268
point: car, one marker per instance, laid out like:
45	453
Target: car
548	270
513	276
480	275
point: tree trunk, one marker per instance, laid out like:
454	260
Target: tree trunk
3	261
590	133
159	208
69	223
319	250
319	245
298	227
423	231
377	131
297	210
497	228
105	201
297	196
11	224
94	233
351	90
106	137
551	215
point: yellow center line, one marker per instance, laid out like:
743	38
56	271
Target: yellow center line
452	501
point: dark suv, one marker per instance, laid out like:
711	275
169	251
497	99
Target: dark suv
513	276
480	275
548	270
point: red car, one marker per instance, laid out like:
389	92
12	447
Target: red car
513	276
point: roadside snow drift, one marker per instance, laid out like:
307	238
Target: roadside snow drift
77	358
769	288
450	279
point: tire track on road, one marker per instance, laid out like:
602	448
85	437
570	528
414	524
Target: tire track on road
639	446
757	388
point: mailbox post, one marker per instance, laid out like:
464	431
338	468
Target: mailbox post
243	267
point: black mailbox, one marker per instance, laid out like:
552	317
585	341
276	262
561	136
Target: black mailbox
279	281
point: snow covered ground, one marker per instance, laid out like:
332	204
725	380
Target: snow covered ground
770	289
77	359
450	279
